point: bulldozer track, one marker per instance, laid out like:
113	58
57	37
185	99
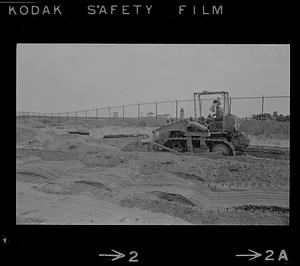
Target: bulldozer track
224	142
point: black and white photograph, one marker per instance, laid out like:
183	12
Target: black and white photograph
152	134
149	132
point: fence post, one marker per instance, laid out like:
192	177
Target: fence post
138	111
109	112
200	106
123	111
195	107
176	104
262	107
156	111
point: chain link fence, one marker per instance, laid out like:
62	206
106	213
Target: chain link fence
259	108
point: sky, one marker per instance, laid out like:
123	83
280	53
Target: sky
70	77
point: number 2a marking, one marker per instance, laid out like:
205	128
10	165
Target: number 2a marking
134	256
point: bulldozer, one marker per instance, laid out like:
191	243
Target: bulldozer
197	135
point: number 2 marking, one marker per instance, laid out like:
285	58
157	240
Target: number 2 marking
134	255
271	254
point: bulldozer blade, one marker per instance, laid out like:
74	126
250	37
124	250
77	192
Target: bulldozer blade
165	148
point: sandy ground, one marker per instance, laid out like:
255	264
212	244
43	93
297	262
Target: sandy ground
76	179
264	141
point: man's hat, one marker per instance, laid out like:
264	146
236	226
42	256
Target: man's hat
217	101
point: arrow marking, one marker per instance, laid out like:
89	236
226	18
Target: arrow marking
117	255
254	255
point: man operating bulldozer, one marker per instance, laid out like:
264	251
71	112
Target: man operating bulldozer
217	109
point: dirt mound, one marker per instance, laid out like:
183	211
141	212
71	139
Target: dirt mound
103	160
228	172
190	176
34	176
56	189
269	152
47	155
25	134
95	189
134	146
93	184
196	215
261	209
30	220
156	205
173	197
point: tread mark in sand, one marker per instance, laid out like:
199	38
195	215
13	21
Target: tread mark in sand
31	177
173	197
190	176
259	208
93	186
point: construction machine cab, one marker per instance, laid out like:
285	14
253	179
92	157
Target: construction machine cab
226	121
